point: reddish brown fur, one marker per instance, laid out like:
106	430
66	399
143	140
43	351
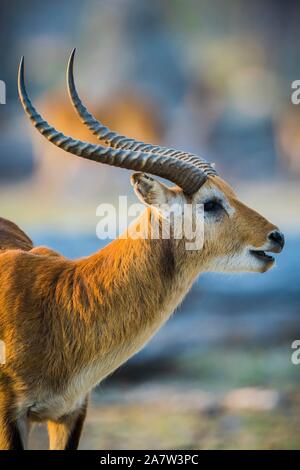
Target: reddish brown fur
11	236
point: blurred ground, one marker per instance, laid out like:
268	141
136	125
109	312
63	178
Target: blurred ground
148	426
176	413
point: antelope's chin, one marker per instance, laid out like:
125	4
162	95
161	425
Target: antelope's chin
264	260
248	260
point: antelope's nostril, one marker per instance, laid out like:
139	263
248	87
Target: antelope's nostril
277	237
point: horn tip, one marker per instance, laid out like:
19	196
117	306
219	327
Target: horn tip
21	65
69	74
21	73
71	63
72	55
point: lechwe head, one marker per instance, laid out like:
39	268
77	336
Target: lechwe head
236	238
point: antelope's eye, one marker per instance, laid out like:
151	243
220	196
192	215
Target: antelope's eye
212	206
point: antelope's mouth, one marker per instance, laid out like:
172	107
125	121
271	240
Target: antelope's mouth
262	255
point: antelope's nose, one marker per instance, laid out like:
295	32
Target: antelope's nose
277	237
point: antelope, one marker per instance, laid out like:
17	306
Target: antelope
68	324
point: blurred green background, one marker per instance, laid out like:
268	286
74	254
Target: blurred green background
209	77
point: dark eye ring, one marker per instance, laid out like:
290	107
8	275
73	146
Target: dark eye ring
212	206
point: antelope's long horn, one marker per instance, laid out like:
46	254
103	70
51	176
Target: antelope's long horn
182	173
116	140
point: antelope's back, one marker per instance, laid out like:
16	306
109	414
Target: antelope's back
12	237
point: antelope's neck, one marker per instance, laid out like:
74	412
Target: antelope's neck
119	298
134	285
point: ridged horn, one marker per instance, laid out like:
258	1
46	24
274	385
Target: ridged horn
116	140
182	173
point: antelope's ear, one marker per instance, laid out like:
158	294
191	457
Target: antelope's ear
151	191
